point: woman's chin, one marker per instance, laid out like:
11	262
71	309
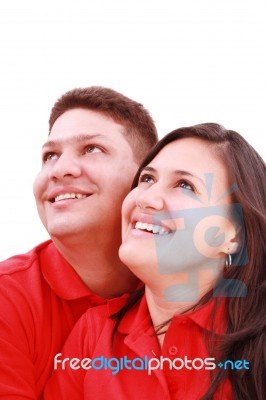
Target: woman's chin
141	263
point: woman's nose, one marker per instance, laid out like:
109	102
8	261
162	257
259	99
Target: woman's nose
151	198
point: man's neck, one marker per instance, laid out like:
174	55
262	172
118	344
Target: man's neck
101	270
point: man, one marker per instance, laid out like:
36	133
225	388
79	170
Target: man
98	137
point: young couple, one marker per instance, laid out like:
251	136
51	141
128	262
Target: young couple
193	229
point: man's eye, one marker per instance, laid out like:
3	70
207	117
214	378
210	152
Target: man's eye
93	149
146	178
49	156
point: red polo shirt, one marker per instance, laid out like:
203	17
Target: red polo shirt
41	298
91	338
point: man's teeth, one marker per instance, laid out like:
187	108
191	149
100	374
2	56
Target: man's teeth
69	196
151	228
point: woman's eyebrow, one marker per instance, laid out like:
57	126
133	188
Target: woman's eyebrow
189	174
148	169
178	172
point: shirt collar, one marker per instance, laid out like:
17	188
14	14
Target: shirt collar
136	317
210	316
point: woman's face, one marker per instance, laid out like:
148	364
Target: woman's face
178	218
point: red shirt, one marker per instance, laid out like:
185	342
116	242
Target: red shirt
41	298
91	338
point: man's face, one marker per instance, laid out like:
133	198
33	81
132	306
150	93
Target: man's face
87	170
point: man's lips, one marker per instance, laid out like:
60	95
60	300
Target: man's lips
67	194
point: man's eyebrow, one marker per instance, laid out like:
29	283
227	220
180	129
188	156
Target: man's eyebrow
74	139
178	172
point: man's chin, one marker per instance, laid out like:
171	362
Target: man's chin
64	232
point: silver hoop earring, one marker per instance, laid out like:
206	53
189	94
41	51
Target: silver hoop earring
228	261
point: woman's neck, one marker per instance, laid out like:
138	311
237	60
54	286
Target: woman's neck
162	310
166	300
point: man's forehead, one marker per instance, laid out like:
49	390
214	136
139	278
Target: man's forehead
80	138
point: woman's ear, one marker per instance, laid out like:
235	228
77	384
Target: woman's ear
233	244
233	247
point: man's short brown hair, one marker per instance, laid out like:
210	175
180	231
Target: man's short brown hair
140	130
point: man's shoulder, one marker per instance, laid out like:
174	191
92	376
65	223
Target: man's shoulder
22	262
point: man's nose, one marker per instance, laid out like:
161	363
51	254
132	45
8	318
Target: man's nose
67	165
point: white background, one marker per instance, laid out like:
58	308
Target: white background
187	61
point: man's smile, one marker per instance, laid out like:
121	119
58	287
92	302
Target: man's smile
67	193
69	196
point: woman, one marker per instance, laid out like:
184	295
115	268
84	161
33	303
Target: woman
193	232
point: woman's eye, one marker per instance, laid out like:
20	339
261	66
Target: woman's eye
146	178
185	185
49	156
93	149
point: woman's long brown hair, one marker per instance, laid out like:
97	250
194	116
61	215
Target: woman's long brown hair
245	337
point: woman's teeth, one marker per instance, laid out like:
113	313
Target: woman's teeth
157	229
